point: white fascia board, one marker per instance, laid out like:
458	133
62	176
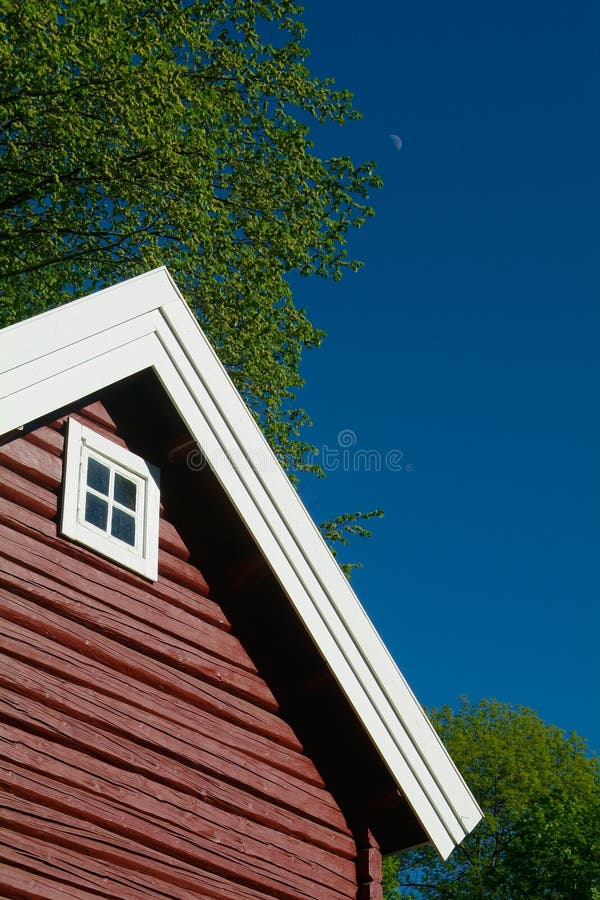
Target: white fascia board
145	322
66	325
39	371
73	381
322	620
323	596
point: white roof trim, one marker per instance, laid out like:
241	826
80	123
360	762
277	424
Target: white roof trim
60	356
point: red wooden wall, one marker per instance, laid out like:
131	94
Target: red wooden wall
141	753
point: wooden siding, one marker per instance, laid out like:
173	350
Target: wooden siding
141	753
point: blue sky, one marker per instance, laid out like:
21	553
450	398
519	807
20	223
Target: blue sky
469	344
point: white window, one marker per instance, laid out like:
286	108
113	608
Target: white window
111	500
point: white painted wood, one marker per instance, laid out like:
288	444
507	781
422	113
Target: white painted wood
59	357
69	384
38	371
65	325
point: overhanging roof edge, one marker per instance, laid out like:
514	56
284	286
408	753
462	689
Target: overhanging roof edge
372	682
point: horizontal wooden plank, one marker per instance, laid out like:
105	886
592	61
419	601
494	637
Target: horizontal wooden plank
24	610
32	462
22	491
64	553
42	468
187	599
44	502
97	844
187	812
195	745
172	684
202	742
46	438
36	457
132	631
82	598
49	439
66	869
44	720
167	721
82	583
18	881
182	572
20	519
171	541
189	839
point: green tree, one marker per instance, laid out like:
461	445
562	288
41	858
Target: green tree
135	133
540	791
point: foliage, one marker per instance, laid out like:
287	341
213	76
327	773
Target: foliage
339	530
540	792
135	134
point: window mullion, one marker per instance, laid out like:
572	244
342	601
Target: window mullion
111	502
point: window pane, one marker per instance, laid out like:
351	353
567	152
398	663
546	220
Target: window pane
123	526
125	491
96	511
98	476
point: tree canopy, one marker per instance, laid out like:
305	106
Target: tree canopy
135	134
540	791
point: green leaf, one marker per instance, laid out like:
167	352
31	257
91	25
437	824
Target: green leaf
139	133
540	791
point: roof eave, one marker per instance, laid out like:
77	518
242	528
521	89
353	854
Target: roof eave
59	356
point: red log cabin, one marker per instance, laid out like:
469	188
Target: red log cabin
193	702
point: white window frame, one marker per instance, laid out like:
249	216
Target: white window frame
81	444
